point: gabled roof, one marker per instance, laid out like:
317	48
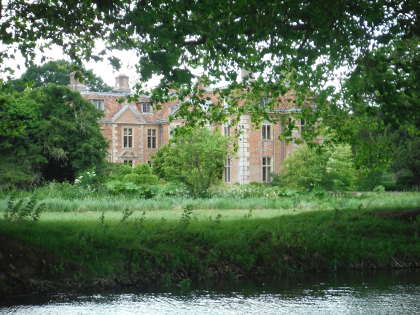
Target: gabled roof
174	109
132	109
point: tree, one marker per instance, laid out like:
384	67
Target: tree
331	169
382	105
195	158
57	72
50	133
219	35
406	162
288	45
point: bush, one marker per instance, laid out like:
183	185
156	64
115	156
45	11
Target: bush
116	171
172	190
142	169
131	178
308	169
369	179
13	175
120	187
148	179
195	159
141	179
63	190
88	180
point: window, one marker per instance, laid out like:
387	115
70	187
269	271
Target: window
264	101
226	131
128	137
128	162
151	138
99	104
146	107
228	165
302	124
266	169
266	132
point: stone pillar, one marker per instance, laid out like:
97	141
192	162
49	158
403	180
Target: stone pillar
243	152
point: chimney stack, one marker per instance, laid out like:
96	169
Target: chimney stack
75	83
245	74
121	83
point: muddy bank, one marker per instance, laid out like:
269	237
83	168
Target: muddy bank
27	269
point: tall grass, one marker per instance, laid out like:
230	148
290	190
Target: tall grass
299	203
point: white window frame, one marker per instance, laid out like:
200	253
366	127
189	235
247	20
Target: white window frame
151	138
147	106
99	103
266	169
128	138
227	170
266	132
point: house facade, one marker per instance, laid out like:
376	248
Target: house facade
136	131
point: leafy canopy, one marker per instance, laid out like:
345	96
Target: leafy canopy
49	133
287	45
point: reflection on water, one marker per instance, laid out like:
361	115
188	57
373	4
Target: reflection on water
384	294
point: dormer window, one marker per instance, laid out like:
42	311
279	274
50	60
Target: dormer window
146	107
99	104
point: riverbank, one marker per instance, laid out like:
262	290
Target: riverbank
138	252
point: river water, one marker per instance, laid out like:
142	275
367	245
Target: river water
345	294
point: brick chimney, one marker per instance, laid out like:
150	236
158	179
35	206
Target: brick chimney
244	74
75	84
121	83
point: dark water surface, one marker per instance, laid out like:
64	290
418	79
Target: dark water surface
376	293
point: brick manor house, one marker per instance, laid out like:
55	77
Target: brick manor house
136	131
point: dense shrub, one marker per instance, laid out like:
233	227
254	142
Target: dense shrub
142	169
122	187
195	159
132	178
147	179
369	179
308	168
172	190
116	171
141	179
88	180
